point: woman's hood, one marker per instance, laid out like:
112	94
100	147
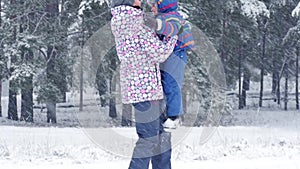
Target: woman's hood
126	20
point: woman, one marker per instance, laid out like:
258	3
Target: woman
140	52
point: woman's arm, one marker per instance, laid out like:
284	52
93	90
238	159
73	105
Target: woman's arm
158	51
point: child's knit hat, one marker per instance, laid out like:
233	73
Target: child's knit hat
167	5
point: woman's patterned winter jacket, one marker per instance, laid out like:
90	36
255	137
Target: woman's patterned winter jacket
140	52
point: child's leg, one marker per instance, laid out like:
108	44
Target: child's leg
172	81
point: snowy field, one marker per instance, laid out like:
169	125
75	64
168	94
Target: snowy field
232	147
254	140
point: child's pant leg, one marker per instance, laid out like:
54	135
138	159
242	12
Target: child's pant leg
172	80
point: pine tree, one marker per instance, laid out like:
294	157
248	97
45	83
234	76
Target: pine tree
1	58
55	36
52	13
233	33
21	48
280	15
292	42
27	67
96	15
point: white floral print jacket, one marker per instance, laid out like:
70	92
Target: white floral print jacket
140	52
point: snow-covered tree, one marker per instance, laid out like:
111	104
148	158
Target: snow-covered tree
243	32
35	40
55	28
94	15
279	24
292	42
2	60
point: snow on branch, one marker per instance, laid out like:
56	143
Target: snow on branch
296	11
254	9
85	4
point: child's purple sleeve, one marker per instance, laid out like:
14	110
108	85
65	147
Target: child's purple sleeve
168	27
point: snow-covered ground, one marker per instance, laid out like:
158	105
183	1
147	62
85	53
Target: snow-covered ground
254	140
232	147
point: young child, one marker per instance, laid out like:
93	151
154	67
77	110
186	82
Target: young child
169	23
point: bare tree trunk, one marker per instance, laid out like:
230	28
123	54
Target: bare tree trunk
126	115
51	112
27	94
52	14
81	85
240	79
262	70
27	87
286	87
113	87
297	77
62	79
261	85
184	101
281	74
278	91
12	96
112	100
223	55
276	81
81	70
27	100
246	86
51	72
12	105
